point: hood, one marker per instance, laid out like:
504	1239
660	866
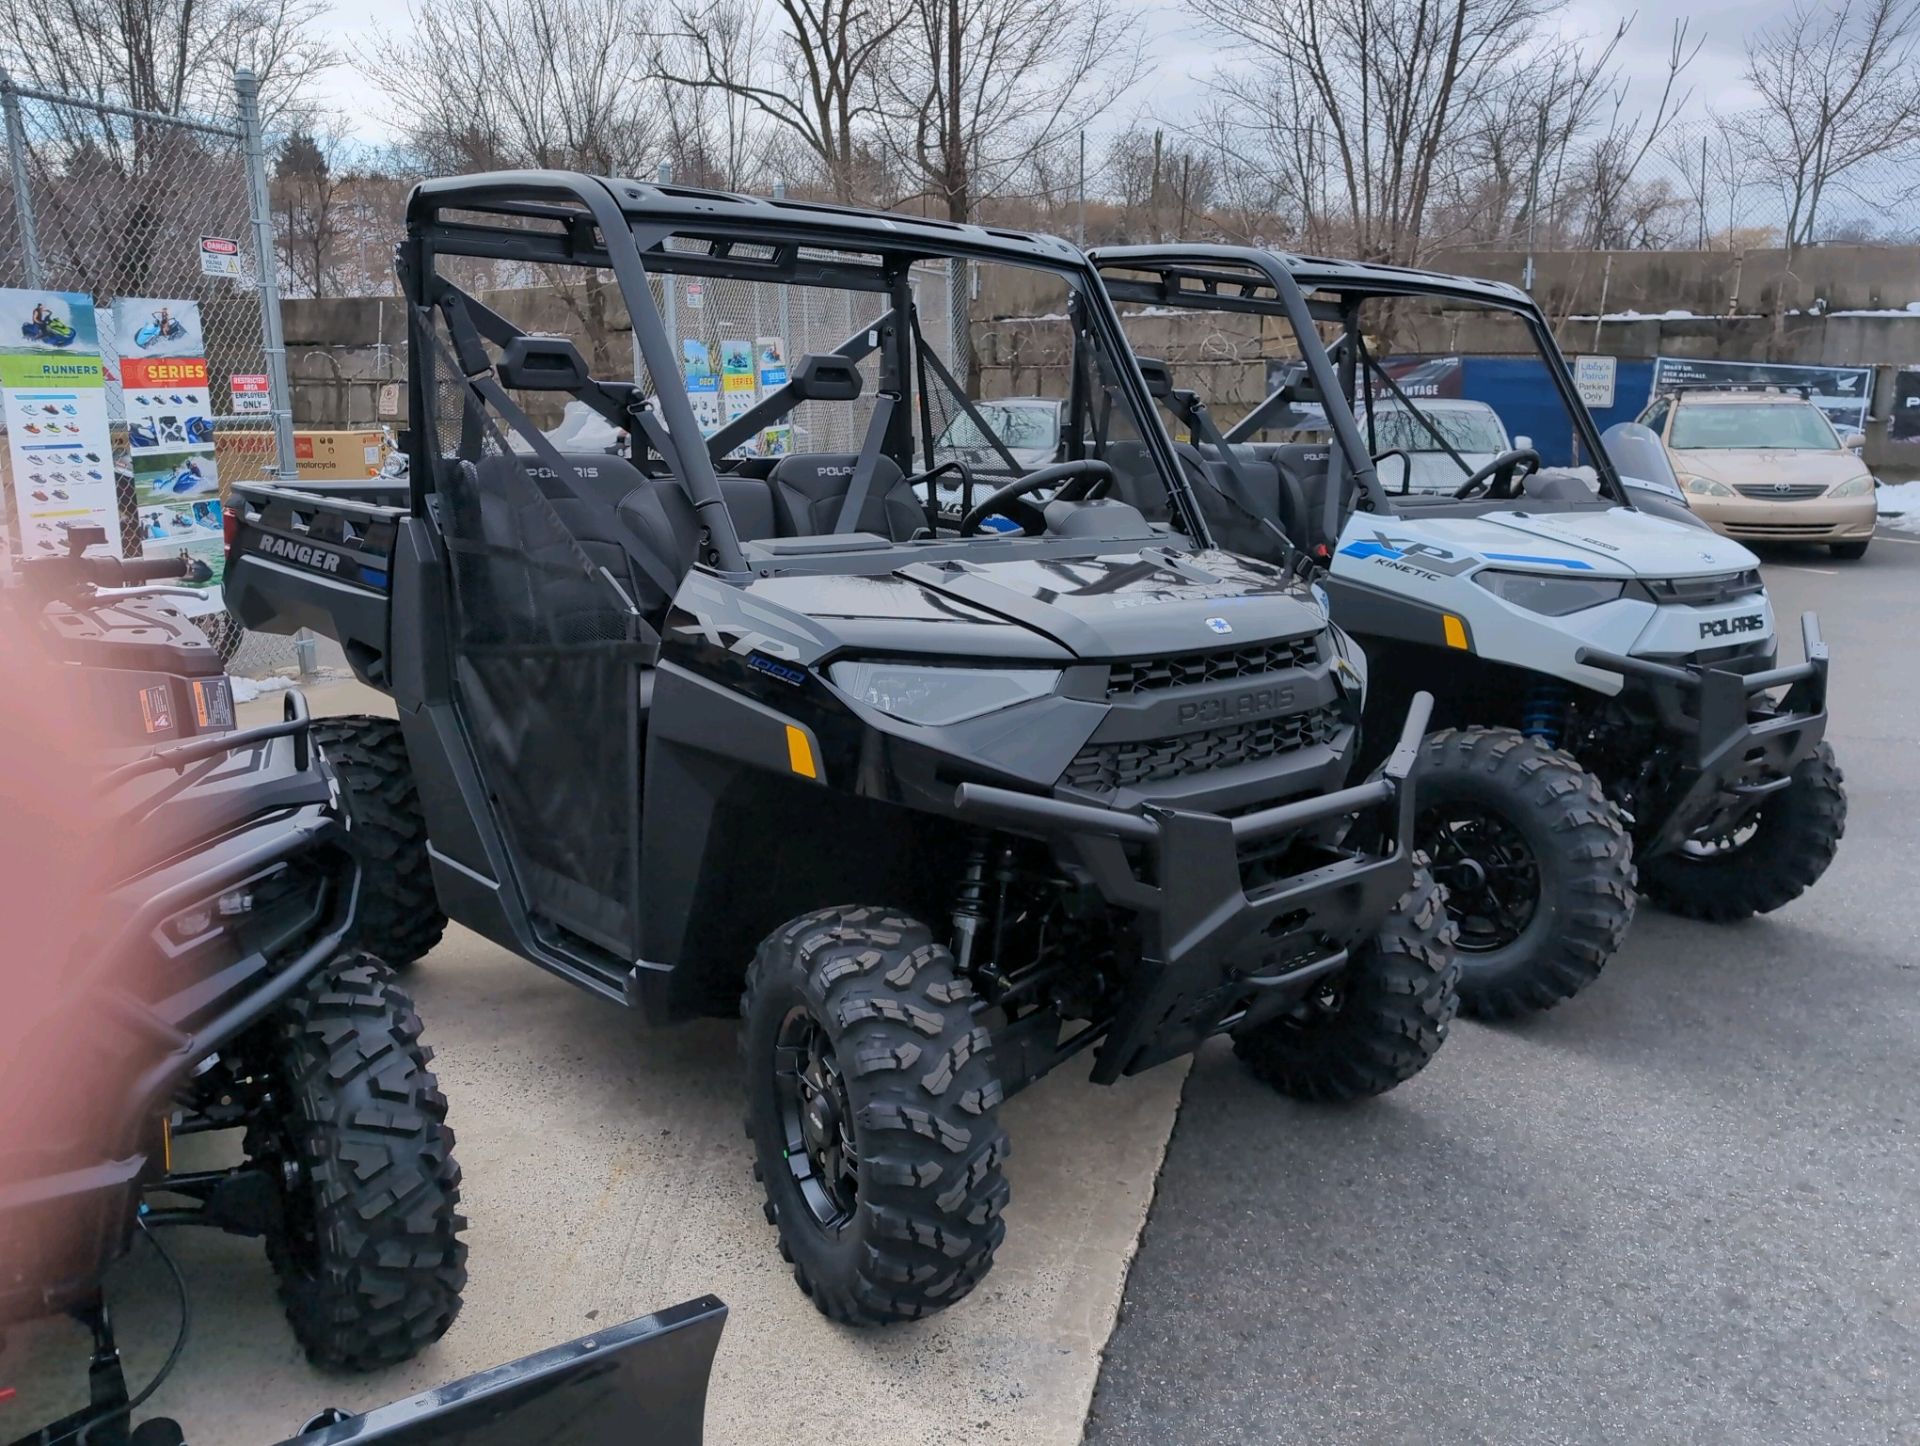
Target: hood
1757	466
1135	604
1619	542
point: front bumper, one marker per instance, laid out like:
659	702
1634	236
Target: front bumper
1817	519
1740	744
1218	948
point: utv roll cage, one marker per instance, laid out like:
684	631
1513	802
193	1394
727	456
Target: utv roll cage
565	218
1310	291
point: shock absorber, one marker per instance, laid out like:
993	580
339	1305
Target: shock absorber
970	905
1544	713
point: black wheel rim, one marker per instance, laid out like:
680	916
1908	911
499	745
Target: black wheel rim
1492	876
816	1120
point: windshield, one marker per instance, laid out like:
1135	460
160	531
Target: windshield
1466	429
1033	428
1775	426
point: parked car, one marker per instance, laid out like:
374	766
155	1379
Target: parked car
1767	466
1412	458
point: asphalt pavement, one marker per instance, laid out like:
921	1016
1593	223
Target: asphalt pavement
1681	1207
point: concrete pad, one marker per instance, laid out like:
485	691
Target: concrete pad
606	1176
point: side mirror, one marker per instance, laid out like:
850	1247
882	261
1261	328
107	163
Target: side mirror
1854	441
824	377
1159	377
1524	444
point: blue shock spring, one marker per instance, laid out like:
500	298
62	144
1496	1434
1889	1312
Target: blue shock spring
1544	714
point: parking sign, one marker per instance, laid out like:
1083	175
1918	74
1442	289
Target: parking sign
1593	376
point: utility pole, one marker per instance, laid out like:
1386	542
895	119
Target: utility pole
1080	234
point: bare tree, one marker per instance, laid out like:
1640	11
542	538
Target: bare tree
806	66
1384	86
477	84
170	56
483	84
977	91
1840	86
308	193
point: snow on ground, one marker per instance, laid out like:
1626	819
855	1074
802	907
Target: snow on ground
245	690
1900	506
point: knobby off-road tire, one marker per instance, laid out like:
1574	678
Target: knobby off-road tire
1379	1021
911	1225
367	1248
1794	840
1509	796
399	917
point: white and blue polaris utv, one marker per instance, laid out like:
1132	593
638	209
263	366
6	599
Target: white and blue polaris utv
1608	691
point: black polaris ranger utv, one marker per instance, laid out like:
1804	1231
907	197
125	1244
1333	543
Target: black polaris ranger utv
733	721
1604	667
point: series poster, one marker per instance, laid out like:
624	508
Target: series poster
770	358
169	409
59	446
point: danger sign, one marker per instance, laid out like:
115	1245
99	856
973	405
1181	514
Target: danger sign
219	256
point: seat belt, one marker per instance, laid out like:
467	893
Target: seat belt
866	464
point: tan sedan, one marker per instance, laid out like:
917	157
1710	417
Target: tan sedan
1767	467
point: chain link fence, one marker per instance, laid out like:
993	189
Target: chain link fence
113	202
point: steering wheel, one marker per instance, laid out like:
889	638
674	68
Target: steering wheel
1075	482
1499	471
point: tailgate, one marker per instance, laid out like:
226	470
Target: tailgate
302	559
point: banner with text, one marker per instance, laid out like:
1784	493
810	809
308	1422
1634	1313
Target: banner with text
53	392
1843	393
169	408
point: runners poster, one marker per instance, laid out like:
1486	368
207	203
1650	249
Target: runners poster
59	448
169	411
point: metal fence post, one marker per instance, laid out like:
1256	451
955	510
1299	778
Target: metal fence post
246	87
22	189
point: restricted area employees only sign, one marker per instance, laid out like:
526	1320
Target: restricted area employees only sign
250	396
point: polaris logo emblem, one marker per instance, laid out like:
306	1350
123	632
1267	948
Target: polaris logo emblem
1726	627
1220	625
318	558
1236	706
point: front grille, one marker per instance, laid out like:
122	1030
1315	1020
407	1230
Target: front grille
1780	491
1779	529
1104	767
1149	675
1705	592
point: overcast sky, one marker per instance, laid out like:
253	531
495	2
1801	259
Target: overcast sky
1185	56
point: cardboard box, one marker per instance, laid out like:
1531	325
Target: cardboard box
323	455
243	455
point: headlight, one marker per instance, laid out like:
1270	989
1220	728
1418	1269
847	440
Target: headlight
1552	594
1854	487
1705	486
934	696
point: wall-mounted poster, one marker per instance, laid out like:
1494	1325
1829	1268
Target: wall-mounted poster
59	447
770	361
1904	423
1843	393
703	384
169	410
737	386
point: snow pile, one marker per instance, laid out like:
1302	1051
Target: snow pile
1912	308
1900	507
245	690
1631	315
